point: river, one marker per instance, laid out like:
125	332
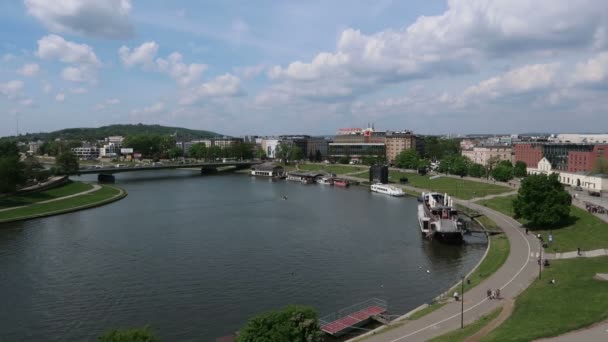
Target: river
194	257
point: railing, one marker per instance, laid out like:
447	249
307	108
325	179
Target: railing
352	309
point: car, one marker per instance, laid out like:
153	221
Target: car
595	193
578	188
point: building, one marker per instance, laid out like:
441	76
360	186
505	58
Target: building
116	140
571	157
357	151
482	154
226	142
109	150
34	146
269	145
586	180
581	138
86	152
301	141
397	142
316	146
359	135
267	170
378	174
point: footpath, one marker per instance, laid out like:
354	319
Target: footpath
95	188
515	275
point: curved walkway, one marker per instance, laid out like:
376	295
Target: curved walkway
595	333
95	188
516	274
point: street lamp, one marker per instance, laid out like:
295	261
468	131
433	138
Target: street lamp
462	304
540	256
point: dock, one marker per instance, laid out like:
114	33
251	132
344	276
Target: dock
352	317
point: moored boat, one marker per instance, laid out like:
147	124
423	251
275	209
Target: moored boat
341	182
387	190
325	180
438	218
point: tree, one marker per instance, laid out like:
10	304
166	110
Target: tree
601	165
460	166
476	170
318	156
296	153
491	163
129	335
294	323
175	152
198	151
503	172
408	159
520	169
11	168
67	163
282	152
543	201
32	169
436	148
344	160
260	153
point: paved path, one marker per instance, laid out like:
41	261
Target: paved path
95	188
595	333
489	197
507	309
516	274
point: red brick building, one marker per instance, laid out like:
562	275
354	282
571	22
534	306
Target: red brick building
585	161
530	154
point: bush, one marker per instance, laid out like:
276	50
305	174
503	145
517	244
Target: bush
543	201
294	323
129	335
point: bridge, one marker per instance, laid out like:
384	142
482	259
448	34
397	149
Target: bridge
106	173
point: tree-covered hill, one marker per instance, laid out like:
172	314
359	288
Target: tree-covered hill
92	134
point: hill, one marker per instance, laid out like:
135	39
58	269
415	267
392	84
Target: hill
92	134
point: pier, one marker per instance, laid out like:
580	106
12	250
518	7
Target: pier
352	317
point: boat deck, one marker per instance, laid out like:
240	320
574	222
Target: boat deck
347	319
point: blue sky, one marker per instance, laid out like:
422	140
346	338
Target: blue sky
270	67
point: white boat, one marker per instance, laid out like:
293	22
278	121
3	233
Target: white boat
438	218
325	180
387	190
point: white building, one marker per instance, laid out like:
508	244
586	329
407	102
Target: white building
269	145
586	180
581	138
109	150
88	152
481	154
116	140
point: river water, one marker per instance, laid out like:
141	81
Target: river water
193	257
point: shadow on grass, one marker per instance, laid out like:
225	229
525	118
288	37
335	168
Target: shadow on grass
24	200
570	221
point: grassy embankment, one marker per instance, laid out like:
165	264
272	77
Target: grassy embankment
543	309
333	168
469	330
585	230
460	188
104	195
70	188
496	257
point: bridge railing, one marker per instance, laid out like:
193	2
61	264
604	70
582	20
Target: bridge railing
352	309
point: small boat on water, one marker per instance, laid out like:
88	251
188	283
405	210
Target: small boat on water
438	218
341	182
325	180
387	190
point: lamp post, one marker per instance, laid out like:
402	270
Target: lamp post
462	304
540	257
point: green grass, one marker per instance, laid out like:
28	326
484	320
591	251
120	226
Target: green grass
460	188
421	313
26	199
497	255
587	231
488	224
545	310
469	330
35	210
332	168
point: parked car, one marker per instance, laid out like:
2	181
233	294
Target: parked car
578	188
595	193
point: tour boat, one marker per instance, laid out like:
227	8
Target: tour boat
325	180
387	189
438	218
341	182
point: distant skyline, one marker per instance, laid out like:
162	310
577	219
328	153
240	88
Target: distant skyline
266	67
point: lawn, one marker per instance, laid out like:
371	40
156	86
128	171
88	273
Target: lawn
469	330
333	168
34	210
64	190
543	309
460	188
421	313
586	231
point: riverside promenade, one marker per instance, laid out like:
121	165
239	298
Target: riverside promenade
515	275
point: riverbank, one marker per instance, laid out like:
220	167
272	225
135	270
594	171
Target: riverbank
72	197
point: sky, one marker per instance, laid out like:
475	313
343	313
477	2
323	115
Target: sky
305	67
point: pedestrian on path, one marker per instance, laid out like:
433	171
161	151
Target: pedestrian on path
489	293
497	293
550	237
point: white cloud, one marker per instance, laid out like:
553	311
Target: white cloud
29	70
252	71
468	34
142	55
96	18
27	102
593	71
107	103
60	97
527	78
82	73
100	106
226	85
55	47
183	74
12	89
7	57
46	87
152	109
112	101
